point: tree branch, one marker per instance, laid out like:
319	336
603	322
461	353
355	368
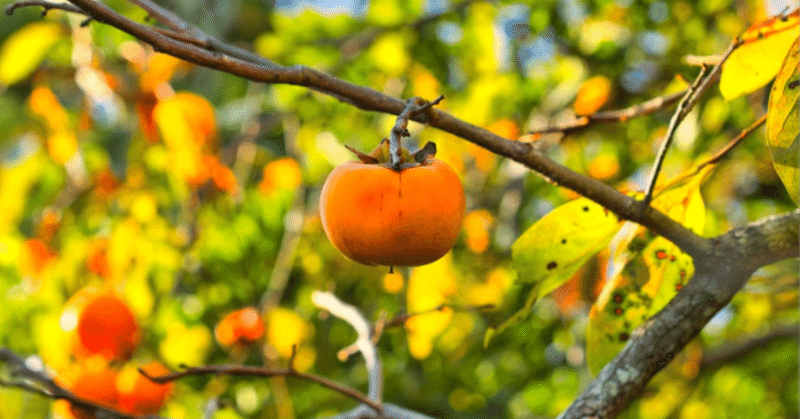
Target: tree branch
738	253
263	372
618	115
37	381
365	98
47	5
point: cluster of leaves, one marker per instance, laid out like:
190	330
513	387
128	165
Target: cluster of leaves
178	186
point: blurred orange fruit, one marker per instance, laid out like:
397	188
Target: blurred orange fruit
106	326
239	327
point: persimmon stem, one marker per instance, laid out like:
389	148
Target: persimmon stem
413	106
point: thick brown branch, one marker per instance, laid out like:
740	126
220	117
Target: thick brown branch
737	254
265	372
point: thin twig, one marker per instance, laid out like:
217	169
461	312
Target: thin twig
249	371
353	317
719	155
617	115
676	119
47	387
731	351
47	5
731	145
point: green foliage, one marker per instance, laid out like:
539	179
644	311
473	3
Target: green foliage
192	217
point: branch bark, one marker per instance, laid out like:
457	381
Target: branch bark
718	277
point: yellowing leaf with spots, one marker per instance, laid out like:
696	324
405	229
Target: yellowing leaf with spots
759	58
555	247
25	49
783	128
648	273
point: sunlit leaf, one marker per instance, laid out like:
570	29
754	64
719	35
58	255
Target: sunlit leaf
22	52
783	133
649	272
555	247
759	58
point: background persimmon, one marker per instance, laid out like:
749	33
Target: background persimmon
106	326
239	327
378	216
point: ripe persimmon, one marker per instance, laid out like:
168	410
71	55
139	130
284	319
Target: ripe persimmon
138	395
106	326
376	215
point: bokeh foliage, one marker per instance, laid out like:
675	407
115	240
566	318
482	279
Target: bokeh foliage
181	201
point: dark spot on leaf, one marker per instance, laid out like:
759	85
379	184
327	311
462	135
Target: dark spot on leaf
563	241
672	258
678	286
624	336
618	311
552	265
586	209
683	274
618	298
793	84
661	254
760	35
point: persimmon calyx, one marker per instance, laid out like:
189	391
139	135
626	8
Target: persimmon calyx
380	155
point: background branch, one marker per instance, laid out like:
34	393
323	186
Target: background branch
731	351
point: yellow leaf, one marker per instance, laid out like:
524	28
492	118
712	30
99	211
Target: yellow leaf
22	52
783	129
555	247
648	273
759	58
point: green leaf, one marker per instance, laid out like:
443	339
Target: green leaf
782	123
555	247
649	272
758	59
25	49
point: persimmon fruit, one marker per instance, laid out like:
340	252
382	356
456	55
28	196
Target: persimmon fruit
240	327
377	215
106	326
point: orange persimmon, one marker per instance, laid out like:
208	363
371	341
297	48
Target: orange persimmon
240	327
106	326
376	215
